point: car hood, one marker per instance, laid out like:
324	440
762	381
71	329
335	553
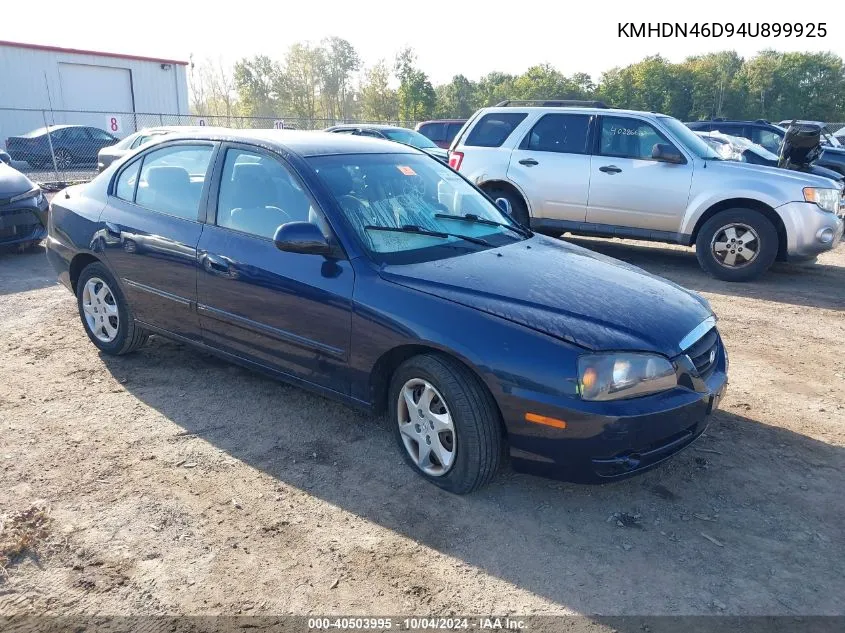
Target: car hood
13	182
565	291
799	178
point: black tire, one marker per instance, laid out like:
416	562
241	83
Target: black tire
478	441
130	336
767	244
518	207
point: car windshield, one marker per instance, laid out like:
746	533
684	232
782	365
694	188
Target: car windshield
692	141
406	192
409	137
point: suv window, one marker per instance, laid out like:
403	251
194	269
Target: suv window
172	179
434	131
562	133
767	138
258	194
494	128
628	138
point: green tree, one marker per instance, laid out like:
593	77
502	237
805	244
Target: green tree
456	99
301	79
378	99
340	60
493	88
544	82
416	95
257	81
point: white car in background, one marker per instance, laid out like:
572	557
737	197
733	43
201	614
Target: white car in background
108	155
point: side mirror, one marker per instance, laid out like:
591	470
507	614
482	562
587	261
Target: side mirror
667	154
302	237
505	205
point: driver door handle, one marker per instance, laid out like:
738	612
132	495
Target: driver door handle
610	169
215	262
528	162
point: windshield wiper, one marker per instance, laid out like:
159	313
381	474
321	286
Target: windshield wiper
418	230
471	217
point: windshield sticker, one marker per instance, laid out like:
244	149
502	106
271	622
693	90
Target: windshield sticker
405	169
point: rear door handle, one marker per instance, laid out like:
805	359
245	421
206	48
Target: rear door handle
610	169
215	262
528	162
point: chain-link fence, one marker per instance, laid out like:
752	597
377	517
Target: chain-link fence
69	152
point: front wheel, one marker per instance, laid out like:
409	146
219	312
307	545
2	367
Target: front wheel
519	211
105	313
737	245
446	423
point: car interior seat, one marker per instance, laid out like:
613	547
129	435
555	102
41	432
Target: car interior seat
254	199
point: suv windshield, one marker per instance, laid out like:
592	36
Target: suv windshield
409	137
692	141
410	192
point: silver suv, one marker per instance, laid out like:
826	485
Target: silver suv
592	170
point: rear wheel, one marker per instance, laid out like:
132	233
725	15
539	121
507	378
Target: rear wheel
64	159
446	423
518	208
737	245
105	313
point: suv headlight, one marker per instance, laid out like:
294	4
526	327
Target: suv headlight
614	376
827	199
32	193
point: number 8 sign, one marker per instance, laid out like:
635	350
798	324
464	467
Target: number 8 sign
113	125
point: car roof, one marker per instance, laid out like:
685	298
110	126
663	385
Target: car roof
304	143
372	126
571	110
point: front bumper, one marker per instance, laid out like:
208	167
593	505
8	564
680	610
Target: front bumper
23	222
605	441
809	229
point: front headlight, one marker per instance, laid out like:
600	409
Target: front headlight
32	193
827	199
614	376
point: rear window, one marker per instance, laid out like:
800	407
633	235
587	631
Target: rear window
492	129
434	131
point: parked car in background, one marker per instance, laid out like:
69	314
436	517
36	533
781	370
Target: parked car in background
108	155
641	175
771	136
5	158
442	131
741	149
23	209
393	133
71	145
374	275
828	138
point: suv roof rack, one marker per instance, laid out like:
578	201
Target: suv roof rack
554	103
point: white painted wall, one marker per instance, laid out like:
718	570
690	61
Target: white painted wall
57	80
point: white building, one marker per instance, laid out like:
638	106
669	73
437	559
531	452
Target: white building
104	90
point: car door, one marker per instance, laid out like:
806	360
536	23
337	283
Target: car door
288	311
151	227
552	165
628	188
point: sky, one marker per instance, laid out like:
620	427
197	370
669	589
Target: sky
449	37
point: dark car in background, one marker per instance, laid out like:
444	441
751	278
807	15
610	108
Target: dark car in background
373	274
441	131
770	136
23	209
393	133
71	145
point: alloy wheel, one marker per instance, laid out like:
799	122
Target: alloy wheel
100	310
426	427
735	245
63	159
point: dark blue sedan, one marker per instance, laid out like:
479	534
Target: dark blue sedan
372	273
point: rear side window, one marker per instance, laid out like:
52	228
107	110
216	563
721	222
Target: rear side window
561	133
125	189
492	129
452	130
434	131
172	178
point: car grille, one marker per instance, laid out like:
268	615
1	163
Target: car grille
701	351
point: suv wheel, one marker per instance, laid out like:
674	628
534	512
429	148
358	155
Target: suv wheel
519	210
446	423
737	245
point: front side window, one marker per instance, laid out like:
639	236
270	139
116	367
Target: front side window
390	199
258	194
767	138
628	138
172	179
493	129
561	133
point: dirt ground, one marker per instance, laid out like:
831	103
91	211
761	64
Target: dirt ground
174	483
